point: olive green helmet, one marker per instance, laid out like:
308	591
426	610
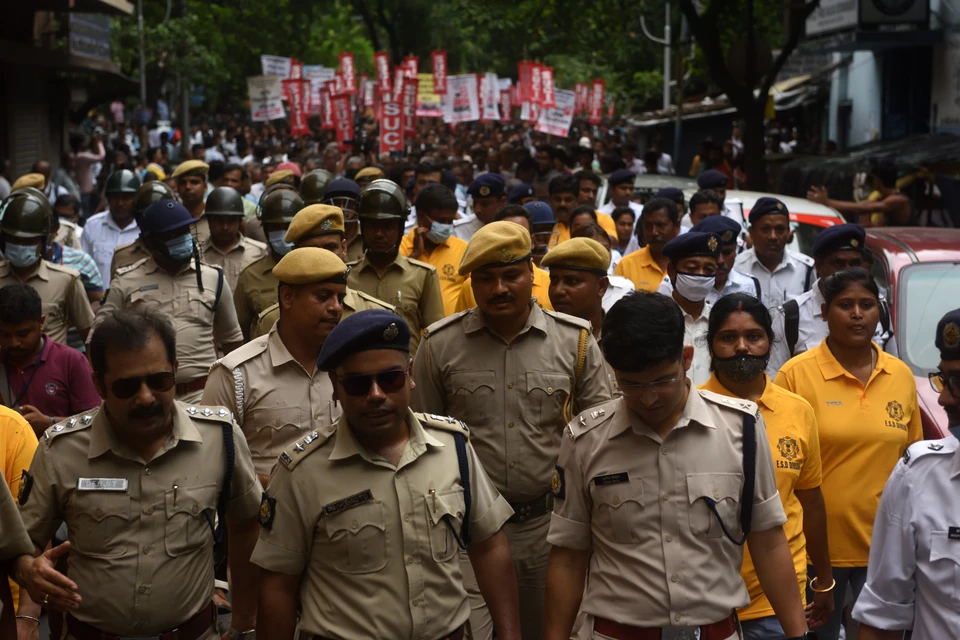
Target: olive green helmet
123	181
26	213
383	199
280	206
147	194
225	201
314	185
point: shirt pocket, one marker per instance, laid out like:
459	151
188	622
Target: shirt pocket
724	490
199	307
150	298
56	312
276	429
546	396
618	509
945	564
359	539
445	510
187	509
473	399
102	519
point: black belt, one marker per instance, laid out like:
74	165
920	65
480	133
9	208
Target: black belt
524	511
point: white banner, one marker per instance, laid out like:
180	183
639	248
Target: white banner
318	76
275	66
265	98
461	102
490	99
557	120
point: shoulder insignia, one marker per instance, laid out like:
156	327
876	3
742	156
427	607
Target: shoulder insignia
267	311
73	424
800	257
255	243
592	417
558	485
247	352
446	423
420	263
129	268
739	404
268	510
925	448
295	453
580	323
62	269
213	413
376	301
445	322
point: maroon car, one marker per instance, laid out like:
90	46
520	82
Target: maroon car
918	269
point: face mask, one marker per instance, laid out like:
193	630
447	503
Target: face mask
277	242
439	232
692	287
742	369
180	249
21	255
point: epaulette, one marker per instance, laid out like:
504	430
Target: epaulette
131	267
425	265
445	322
445	423
734	403
73	424
376	301
254	264
62	269
579	323
240	355
592	417
255	243
263	314
213	413
293	455
944	446
801	257
354	263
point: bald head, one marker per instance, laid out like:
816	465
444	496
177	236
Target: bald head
43	168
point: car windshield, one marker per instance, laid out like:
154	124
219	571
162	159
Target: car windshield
803	236
927	292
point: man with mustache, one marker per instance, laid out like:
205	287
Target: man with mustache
146	485
515	373
911	573
659	223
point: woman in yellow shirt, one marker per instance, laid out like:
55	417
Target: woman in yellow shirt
865	402
739	337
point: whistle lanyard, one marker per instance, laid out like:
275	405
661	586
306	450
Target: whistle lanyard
23	391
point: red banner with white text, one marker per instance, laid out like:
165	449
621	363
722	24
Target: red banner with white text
438	59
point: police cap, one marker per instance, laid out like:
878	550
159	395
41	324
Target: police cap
224	201
191	168
342	188
497	244
540	213
692	243
281	175
122	181
670	193
520	192
839	238
314	185
35	180
383	200
369	173
489	185
582	254
314	220
165	215
767	206
26	213
280	205
306	265
727	228
948	336
621	176
712	179
363	331
147	194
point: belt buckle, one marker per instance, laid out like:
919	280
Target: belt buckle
680	633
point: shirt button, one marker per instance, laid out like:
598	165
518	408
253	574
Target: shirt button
147	548
196	509
509	347
147	471
677	617
616	500
509	385
716	495
354	525
549	389
663	451
410	560
148	510
142	589
416	603
406	517
513	464
98	512
666	496
674	578
669	538
509	425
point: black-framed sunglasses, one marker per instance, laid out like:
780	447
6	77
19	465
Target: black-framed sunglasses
939	380
389	381
125	388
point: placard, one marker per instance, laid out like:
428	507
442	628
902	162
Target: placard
266	94
461	103
557	120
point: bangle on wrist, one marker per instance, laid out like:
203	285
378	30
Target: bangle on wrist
814	586
37	620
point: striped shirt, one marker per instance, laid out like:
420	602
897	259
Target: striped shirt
89	276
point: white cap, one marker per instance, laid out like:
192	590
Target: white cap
584	141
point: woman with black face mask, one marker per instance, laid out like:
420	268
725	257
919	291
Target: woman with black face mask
739	337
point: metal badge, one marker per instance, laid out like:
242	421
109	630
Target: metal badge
86	419
222	413
192	411
207	411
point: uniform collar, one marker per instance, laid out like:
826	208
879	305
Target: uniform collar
769	398
694	411
279	354
42	271
110	222
474	321
151	266
209	246
399	261
346	445
102	438
830	368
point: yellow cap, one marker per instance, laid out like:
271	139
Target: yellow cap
279	176
307	265
495	244
369	172
192	168
314	220
157	170
35	180
583	254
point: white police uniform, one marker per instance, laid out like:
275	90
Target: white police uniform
913	575
736	283
466	226
618	288
790	279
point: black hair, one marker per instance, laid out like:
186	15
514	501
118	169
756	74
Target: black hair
436	197
642	330
547	149
705	196
583	209
215	172
630	146
651	157
587	175
231	166
842	280
68	200
622	211
427	165
19	303
514	211
127	330
564	184
526	163
662	204
733	303
593	231
611	161
886	171
197	147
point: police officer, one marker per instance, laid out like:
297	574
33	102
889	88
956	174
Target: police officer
522	194
320	226
145	485
345	194
313	185
617	286
488	194
783	274
367	175
172	280
911	574
271	384
729	280
116	226
25	227
380	503
516	373
227	248
191	178
256	285
648	494
147	194
410	285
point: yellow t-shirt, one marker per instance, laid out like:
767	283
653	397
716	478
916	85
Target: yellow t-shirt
446	258
641	269
795	446
561	232
17	444
863	433
541	291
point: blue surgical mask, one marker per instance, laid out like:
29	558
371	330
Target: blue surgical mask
180	249
21	255
439	232
278	243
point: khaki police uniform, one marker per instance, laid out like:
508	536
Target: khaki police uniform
198	325
353	301
64	301
256	290
354	525
659	557
201	230
126	255
14	541
67	235
141	543
242	255
354	249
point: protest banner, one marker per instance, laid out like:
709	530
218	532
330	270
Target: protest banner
391	121
438	60
275	66
506	109
411	66
265	98
556	120
317	76
461	102
343	120
546	87
489	97
348	73
326	110
295	98
582	92
410	107
429	103
523	81
596	100
382	63
536	88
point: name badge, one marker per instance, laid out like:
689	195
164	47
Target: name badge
348	502
149	287
953	533
102	484
612	478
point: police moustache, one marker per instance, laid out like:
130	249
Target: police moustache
155	410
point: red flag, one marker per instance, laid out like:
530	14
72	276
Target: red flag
326	110
362	90
610	110
391	122
382	63
580	91
298	116
438	59
596	100
536	85
337	84
506	110
342	120
410	107
399	76
411	65
546	83
347	72
523	81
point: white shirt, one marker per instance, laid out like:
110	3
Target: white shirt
465	227
54	191
695	333
913	575
212	154
101	235
618	288
665	164
789	279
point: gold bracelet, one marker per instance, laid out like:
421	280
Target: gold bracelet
827	590
37	620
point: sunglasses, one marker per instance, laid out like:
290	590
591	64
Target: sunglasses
940	380
125	388
359	385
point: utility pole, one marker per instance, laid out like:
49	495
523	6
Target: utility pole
184	102
143	61
666	42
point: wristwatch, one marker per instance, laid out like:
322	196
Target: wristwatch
233	634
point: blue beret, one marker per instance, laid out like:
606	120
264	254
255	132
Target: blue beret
342	188
621	176
691	243
363	331
165	215
487	185
727	228
448	179
948	336
540	212
839	237
670	193
520	192
712	179
767	206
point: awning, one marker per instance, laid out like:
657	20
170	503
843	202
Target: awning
25	55
113	7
